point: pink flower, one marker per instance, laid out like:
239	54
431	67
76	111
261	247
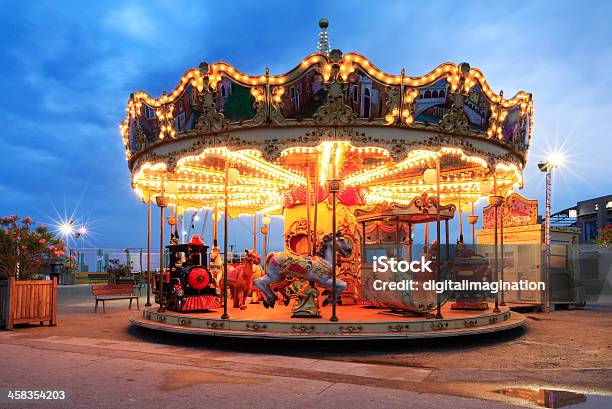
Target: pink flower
27	220
42	241
58	253
52	248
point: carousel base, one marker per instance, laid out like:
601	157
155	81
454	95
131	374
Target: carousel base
355	322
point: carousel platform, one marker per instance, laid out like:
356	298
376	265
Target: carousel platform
355	322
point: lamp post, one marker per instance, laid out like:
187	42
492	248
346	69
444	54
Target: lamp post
554	161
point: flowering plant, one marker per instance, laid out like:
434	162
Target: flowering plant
23	248
604	238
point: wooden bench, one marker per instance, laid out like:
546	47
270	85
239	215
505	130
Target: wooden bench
109	292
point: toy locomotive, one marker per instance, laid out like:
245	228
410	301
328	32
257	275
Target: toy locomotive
188	282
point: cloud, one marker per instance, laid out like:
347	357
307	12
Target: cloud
133	21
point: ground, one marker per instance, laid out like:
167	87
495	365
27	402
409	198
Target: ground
101	361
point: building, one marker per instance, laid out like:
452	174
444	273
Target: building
588	215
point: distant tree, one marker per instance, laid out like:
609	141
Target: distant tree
116	269
239	104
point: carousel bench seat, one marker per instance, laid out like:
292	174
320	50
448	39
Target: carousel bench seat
111	292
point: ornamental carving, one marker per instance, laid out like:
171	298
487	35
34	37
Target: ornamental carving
303	329
335	111
439	326
256	327
350	329
214	325
184	322
276	106
398	328
209	120
393	106
455	119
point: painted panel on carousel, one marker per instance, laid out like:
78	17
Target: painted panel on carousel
432	102
365	96
303	97
235	101
478	109
512	126
185	114
144	128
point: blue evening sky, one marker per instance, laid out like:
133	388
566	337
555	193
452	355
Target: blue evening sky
68	67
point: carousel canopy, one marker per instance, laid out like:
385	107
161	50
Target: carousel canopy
334	116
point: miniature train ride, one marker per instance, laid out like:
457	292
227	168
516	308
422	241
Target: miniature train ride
189	283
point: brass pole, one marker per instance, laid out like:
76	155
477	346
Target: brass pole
495	250
334	317
160	290
501	233
226	215
215	220
148	303
334	187
255	232
309	228
473	230
438	297
460	221
316	208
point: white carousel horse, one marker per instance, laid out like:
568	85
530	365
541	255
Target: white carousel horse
309	268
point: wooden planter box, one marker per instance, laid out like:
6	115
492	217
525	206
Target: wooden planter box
27	302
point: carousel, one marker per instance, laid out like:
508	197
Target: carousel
357	163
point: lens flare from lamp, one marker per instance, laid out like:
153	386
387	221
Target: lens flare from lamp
266	220
66	228
556	159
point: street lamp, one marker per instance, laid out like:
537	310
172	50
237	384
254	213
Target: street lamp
555	159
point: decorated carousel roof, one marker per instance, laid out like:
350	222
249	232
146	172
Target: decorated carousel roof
333	115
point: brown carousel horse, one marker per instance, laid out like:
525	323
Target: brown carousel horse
240	279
